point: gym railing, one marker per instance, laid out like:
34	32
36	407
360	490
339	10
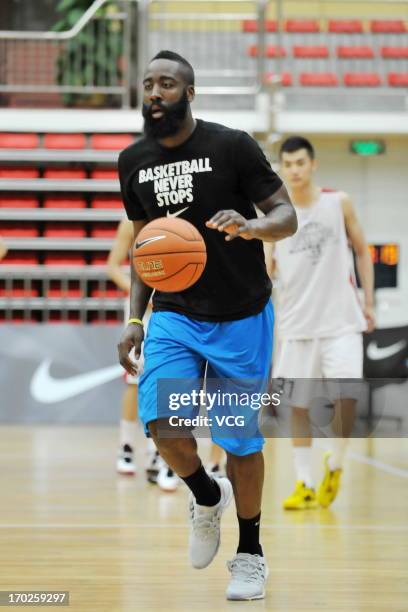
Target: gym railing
93	57
107	50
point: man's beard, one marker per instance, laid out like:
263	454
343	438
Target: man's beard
171	122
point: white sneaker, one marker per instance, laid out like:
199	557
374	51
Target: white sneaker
214	469
153	467
248	577
205	526
125	463
167	480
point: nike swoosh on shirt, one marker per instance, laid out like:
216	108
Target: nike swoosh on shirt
177	213
46	389
376	353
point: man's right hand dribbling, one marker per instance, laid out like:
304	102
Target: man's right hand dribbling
133	336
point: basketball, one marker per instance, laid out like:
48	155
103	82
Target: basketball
169	254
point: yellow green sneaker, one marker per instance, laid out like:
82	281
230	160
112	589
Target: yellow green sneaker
302	498
329	487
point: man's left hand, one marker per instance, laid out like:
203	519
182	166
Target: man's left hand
369	317
232	223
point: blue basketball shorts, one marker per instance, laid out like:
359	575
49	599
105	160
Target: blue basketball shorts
178	348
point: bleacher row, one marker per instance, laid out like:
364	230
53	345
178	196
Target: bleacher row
323	51
97	142
59	209
336	43
334	26
331	79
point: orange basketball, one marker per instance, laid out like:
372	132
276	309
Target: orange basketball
169	254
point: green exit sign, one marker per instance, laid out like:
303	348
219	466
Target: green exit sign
367	148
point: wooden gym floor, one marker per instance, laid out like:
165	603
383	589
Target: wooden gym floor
118	544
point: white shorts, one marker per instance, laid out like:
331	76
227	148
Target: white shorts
129	379
319	358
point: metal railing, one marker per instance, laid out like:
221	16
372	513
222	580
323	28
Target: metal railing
209	34
94	57
98	55
106	52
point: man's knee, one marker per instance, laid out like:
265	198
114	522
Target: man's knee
165	438
243	461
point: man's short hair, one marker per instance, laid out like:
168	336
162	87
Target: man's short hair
187	68
294	143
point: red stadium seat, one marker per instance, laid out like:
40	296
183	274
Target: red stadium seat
361	52
111	142
396	79
362	80
18	141
106	202
270	51
107	293
18	202
64	141
382	26
64	230
64	173
99	259
311	52
65	202
324	79
19	319
16	258
302	26
56	318
19	172
64	259
394	52
104	173
19	293
345	26
286	78
64	293
102	230
251	25
19	230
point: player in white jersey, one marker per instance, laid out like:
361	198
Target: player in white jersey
320	319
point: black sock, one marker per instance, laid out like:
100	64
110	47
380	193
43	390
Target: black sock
249	535
205	489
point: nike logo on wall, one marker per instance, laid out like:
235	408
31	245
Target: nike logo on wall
46	389
177	213
375	352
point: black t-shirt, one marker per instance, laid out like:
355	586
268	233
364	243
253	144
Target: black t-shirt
216	168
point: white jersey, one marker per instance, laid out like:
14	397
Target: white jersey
317	296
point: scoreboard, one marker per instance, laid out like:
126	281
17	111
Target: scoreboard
385	259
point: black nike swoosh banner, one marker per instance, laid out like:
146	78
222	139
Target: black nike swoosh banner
75	352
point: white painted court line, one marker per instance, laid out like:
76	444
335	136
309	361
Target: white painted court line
380	465
275	526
